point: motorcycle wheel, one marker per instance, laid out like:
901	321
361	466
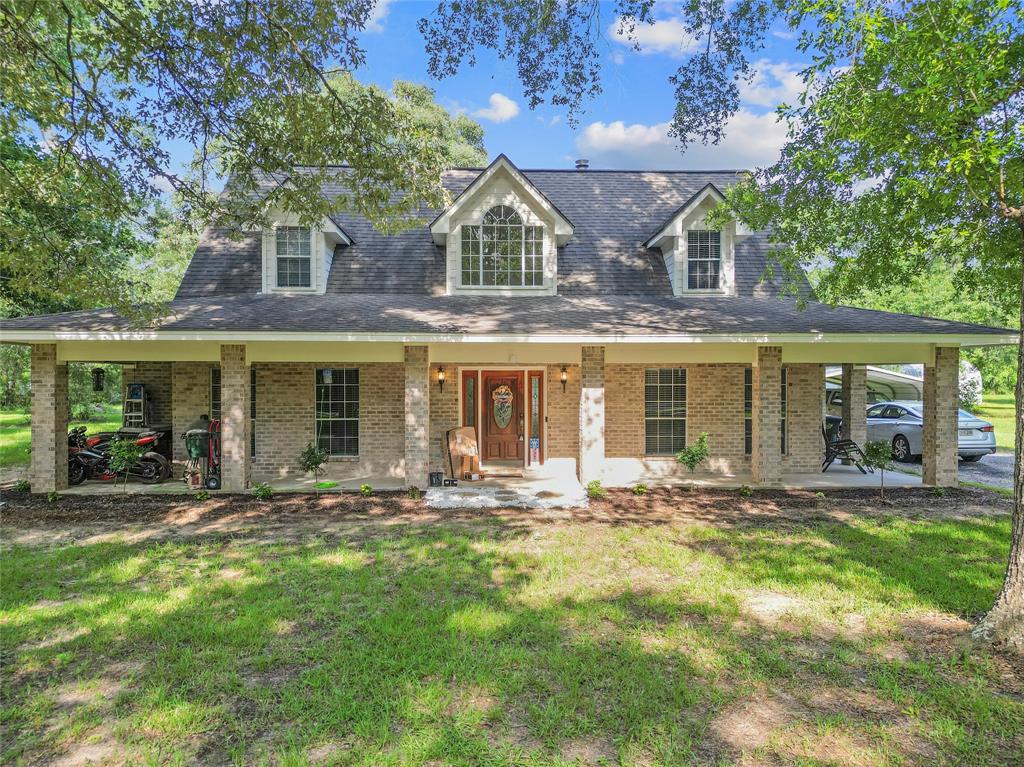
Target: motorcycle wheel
76	473
153	468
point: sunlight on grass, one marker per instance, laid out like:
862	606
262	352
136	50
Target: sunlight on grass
484	645
16	435
999	409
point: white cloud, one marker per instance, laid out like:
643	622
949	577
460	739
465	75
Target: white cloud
501	109
784	34
661	36
750	141
377	16
774	83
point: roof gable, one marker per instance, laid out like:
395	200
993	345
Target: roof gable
671	227
502	166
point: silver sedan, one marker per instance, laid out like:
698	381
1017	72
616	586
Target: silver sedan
900	423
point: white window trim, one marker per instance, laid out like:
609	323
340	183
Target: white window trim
359	418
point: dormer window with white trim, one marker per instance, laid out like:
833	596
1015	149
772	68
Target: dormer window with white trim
292	245
502	251
703	259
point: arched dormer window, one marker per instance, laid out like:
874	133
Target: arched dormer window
502	252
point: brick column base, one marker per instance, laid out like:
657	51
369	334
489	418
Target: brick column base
592	413
766	455
941	403
234	411
417	415
49	469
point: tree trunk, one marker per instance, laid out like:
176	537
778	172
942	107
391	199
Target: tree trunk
1005	621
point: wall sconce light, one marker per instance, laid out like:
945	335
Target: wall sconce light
441	375
564	377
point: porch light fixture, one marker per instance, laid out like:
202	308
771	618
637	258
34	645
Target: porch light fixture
441	375
564	377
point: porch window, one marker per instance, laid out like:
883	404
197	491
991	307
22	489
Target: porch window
783	406
337	411
703	259
293	257
665	410
502	251
215	403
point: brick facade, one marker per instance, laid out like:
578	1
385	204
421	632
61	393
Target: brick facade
805	414
766	455
49	381
941	403
417	415
190	398
234	413
855	403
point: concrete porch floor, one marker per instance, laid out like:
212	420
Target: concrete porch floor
559	488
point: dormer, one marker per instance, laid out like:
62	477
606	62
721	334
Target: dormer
699	258
296	256
501	236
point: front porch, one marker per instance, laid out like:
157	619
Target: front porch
551	417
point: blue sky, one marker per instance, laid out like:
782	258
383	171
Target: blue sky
622	128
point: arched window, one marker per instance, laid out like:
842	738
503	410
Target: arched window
502	252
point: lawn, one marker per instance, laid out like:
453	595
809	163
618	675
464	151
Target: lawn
319	638
998	408
15	436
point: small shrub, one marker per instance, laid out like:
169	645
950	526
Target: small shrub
124	453
694	455
365	490
640	489
878	455
746	491
22	486
53	496
311	460
938	491
201	495
819	496
263	492
594	489
414	493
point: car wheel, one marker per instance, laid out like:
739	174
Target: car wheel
971	458
901	449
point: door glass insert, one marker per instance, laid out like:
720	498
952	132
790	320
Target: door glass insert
503	398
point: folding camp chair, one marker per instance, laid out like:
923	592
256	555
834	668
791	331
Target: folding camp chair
844	449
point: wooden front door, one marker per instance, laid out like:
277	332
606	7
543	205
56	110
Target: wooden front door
502	417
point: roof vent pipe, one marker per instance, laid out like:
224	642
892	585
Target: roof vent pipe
582	164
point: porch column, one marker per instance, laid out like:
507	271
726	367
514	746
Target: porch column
766	454
234	412
941	402
855	404
417	415
49	470
591	413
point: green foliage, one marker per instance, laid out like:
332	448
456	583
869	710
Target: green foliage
201	495
22	486
262	491
694	455
53	496
311	461
124	453
746	491
938	492
414	493
640	489
595	491
365	490
878	455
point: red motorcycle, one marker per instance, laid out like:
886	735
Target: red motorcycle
89	458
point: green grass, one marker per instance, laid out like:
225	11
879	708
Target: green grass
16	437
999	409
481	644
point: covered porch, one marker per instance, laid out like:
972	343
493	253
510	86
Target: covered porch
581	412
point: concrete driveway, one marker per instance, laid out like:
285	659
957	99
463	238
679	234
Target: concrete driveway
994	470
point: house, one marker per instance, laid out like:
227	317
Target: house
581	320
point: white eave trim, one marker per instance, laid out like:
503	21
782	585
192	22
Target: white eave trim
441	226
236	336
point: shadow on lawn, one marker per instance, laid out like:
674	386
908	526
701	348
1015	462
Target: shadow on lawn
427	647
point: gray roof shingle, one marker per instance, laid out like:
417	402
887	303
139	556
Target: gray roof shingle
484	315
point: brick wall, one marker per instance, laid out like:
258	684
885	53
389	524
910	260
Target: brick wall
190	389
805	413
285	396
939	461
563	427
444	414
157	378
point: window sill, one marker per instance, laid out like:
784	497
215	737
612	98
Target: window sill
342	458
704	292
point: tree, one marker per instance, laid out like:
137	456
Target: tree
904	151
878	455
105	88
311	460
